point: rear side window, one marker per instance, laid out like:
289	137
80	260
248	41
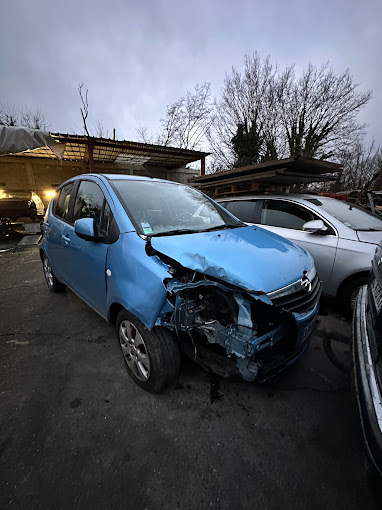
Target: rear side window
279	213
61	208
242	209
90	203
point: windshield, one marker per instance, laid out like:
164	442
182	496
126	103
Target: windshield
159	208
350	215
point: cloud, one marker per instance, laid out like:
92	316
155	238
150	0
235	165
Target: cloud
137	57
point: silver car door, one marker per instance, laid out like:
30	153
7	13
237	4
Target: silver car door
286	218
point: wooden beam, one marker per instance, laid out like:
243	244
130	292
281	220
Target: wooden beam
91	156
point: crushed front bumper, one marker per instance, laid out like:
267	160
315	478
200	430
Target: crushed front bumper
366	384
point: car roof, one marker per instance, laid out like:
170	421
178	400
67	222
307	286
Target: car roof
300	196
124	177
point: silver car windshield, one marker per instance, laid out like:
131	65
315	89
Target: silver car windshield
161	208
350	215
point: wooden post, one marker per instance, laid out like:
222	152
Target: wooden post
203	166
30	175
91	158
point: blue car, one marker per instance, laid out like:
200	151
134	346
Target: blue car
177	273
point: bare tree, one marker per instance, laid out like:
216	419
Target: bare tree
318	112
186	121
143	134
99	131
362	165
249	99
313	115
27	117
85	107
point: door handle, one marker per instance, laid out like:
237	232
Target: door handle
65	238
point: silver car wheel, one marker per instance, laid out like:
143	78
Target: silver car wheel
48	273
134	350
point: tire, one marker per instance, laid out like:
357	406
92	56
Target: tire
152	357
348	293
54	285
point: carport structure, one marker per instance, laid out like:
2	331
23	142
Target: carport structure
277	175
39	170
93	150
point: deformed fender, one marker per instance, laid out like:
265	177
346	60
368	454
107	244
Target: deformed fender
137	279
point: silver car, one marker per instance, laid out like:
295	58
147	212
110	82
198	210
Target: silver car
341	237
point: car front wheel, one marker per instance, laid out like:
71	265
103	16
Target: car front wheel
152	357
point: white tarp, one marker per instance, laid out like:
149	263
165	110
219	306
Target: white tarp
15	139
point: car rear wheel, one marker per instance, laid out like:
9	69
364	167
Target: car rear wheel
152	357
54	285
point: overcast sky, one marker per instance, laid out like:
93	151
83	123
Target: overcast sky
135	57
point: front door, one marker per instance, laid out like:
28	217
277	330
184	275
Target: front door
86	260
286	218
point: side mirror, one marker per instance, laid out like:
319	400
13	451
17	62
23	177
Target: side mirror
84	228
315	226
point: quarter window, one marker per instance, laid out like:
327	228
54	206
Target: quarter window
279	213
62	205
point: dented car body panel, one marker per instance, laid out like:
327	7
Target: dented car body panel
245	293
248	257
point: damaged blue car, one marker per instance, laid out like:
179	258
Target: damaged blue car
177	273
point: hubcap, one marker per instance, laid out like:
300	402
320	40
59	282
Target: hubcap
48	273
134	350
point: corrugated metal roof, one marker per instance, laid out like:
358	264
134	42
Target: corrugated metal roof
117	151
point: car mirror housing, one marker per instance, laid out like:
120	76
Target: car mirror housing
315	226
84	228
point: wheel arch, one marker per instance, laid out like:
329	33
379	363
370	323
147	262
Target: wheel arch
114	310
350	278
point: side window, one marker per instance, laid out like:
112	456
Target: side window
279	213
61	208
242	209
89	204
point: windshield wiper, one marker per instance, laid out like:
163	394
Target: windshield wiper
195	231
175	232
224	227
369	229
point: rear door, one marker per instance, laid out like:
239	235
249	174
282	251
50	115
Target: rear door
86	260
246	210
54	226
286	218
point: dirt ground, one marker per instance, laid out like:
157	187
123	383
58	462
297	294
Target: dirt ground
77	432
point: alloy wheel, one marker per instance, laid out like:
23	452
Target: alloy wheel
48	273
134	350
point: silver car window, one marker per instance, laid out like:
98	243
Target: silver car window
280	213
348	214
242	209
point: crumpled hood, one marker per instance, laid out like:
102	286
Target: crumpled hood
249	257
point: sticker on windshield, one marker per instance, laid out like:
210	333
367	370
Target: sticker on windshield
146	227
